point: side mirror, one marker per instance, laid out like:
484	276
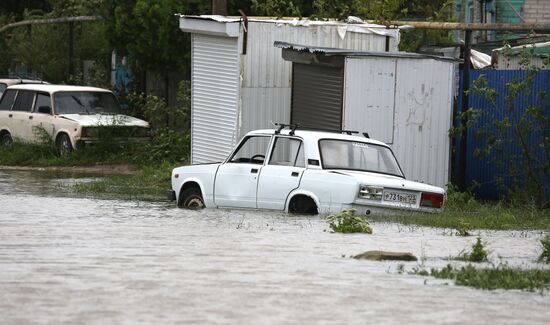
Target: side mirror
45	109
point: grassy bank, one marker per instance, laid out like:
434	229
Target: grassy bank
463	213
499	277
150	183
153	161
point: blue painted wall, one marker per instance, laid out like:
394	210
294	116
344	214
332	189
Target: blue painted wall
486	171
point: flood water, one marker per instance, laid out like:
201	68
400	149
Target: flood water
76	260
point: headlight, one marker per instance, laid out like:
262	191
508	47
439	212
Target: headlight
89	132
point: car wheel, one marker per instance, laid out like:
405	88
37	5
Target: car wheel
64	146
191	198
6	140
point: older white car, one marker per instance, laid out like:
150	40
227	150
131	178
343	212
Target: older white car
306	172
70	115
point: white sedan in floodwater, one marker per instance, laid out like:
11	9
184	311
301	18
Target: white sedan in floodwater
302	171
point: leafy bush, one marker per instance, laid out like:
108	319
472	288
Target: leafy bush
477	255
347	222
545	256
463	228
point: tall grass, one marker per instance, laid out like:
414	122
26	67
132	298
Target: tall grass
462	209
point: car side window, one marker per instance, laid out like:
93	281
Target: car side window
287	152
252	150
42	100
7	100
24	100
2	88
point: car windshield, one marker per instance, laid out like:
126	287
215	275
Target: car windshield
85	102
361	156
2	88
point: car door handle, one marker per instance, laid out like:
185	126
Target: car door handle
11	115
254	170
295	174
30	117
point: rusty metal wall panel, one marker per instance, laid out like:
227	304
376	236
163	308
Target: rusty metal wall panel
215	97
317	93
369	96
423	115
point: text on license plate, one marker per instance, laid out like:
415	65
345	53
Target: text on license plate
400	197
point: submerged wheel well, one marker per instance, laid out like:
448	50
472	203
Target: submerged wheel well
4	131
302	204
186	186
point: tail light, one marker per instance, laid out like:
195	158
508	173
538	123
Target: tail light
431	200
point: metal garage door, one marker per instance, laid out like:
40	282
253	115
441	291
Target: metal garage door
317	96
215	91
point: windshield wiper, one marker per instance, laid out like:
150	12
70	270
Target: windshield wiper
81	105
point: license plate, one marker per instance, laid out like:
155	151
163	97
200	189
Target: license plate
400	197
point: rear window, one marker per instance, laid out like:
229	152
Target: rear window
7	100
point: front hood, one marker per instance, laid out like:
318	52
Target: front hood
105	120
375	179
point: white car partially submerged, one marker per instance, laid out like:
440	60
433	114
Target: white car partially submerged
70	115
305	172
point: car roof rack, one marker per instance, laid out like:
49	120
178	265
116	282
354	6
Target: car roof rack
294	127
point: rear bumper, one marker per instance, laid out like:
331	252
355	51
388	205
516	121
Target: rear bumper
171	195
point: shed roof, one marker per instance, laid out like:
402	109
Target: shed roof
328	51
343	27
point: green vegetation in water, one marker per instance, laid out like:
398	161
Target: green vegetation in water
347	222
463	213
463	228
545	255
477	255
500	277
149	184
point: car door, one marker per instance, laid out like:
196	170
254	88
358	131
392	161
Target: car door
236	181
6	115
20	115
282	174
41	118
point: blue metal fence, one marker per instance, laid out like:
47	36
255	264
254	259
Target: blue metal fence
500	167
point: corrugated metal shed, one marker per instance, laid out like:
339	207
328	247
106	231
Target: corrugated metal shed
264	90
214	85
403	99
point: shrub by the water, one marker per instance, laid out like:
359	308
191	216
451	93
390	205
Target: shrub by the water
347	222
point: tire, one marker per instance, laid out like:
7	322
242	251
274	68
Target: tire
64	145
302	205
6	140
191	199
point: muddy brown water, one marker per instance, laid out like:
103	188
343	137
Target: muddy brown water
75	260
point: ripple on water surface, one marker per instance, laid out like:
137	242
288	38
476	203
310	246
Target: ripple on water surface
79	260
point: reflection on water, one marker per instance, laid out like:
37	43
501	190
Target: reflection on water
74	260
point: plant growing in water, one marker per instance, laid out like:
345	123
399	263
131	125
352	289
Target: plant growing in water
545	256
463	228
479	253
347	222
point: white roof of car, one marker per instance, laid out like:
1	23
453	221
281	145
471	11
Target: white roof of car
55	88
314	135
17	81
